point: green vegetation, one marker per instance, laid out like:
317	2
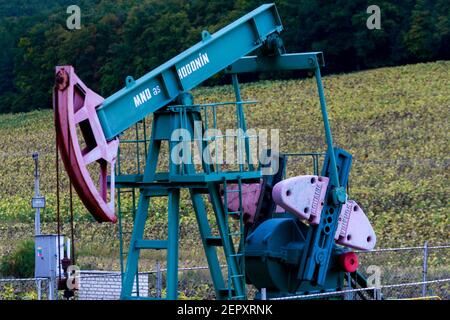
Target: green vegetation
20	262
120	38
393	121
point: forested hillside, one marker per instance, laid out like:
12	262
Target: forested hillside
118	38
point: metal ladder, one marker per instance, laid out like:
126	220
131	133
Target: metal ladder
234	278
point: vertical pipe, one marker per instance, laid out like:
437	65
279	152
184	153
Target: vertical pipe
118	161
425	268
172	246
315	167
37	218
241	120
122	270
216	146
323	106
158	280
133	203
144	126
137	148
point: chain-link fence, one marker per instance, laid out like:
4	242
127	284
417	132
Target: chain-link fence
383	292
398	273
409	265
392	273
24	289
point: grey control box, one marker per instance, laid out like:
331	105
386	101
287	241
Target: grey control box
47	256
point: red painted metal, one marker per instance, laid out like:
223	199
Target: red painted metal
75	107
349	261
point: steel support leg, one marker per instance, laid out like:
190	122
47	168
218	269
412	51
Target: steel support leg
210	251
133	253
227	241
172	247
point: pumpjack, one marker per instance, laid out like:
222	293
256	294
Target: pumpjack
289	236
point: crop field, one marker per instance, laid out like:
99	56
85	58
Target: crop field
394	121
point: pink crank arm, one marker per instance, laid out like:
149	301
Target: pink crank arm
75	106
250	197
303	196
354	229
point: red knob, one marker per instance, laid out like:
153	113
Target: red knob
349	261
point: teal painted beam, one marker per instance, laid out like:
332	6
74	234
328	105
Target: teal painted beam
151	244
214	53
291	61
329	139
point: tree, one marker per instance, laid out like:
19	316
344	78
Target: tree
20	262
422	36
127	37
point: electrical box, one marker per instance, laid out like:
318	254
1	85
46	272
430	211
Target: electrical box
38	202
47	256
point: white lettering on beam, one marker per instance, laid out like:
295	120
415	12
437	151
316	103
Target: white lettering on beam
142	97
193	66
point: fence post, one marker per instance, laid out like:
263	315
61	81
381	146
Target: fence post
263	294
349	295
377	293
425	268
38	289
158	280
51	288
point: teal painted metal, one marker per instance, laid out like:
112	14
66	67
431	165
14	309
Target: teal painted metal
317	257
321	243
165	83
172	253
314	266
287	257
314	155
236	278
169	184
326	124
313	253
274	253
291	61
241	119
